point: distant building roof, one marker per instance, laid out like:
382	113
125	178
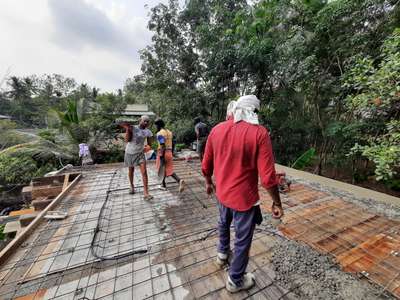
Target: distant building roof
137	110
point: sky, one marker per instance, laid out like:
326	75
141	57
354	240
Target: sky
93	41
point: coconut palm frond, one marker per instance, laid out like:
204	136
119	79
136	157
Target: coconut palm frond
40	149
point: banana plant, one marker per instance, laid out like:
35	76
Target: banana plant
304	160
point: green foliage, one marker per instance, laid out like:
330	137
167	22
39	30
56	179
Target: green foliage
78	111
384	152
327	74
20	163
377	100
183	131
179	147
27	99
113	155
2	235
304	160
393	184
17	170
91	126
154	145
48	135
71	122
305	60
8	136
7	125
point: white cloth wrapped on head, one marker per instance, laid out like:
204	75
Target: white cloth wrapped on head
229	109
244	109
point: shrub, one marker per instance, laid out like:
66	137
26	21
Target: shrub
2	235
179	147
21	169
184	132
20	163
47	135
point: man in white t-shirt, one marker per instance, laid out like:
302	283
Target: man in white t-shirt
134	152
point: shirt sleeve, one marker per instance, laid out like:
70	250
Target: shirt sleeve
266	161
160	139
149	133
207	165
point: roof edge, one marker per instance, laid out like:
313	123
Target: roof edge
357	191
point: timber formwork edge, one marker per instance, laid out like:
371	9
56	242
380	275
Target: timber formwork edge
19	239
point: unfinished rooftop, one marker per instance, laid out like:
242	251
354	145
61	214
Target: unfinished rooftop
335	242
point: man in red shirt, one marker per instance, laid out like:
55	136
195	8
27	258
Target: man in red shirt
237	153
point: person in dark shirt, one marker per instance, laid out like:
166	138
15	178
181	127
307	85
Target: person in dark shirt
202	132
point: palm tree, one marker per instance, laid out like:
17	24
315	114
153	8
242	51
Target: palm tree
20	93
71	122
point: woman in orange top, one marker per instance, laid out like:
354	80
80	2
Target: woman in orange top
164	163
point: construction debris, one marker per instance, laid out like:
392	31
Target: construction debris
11	229
56	215
40	203
26	219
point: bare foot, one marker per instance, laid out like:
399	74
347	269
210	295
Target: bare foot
147	197
181	186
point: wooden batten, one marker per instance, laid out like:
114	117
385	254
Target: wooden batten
15	243
66	180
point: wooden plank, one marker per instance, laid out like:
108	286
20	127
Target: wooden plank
46	191
22	212
15	243
66	180
36	182
39	294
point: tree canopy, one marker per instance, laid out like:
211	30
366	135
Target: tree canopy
327	74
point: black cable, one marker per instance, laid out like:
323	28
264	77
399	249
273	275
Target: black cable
97	230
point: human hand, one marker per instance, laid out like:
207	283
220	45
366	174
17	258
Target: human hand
209	188
277	211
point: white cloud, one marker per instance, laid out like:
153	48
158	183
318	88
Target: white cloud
93	41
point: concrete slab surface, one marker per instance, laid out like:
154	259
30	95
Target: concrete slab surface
115	245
